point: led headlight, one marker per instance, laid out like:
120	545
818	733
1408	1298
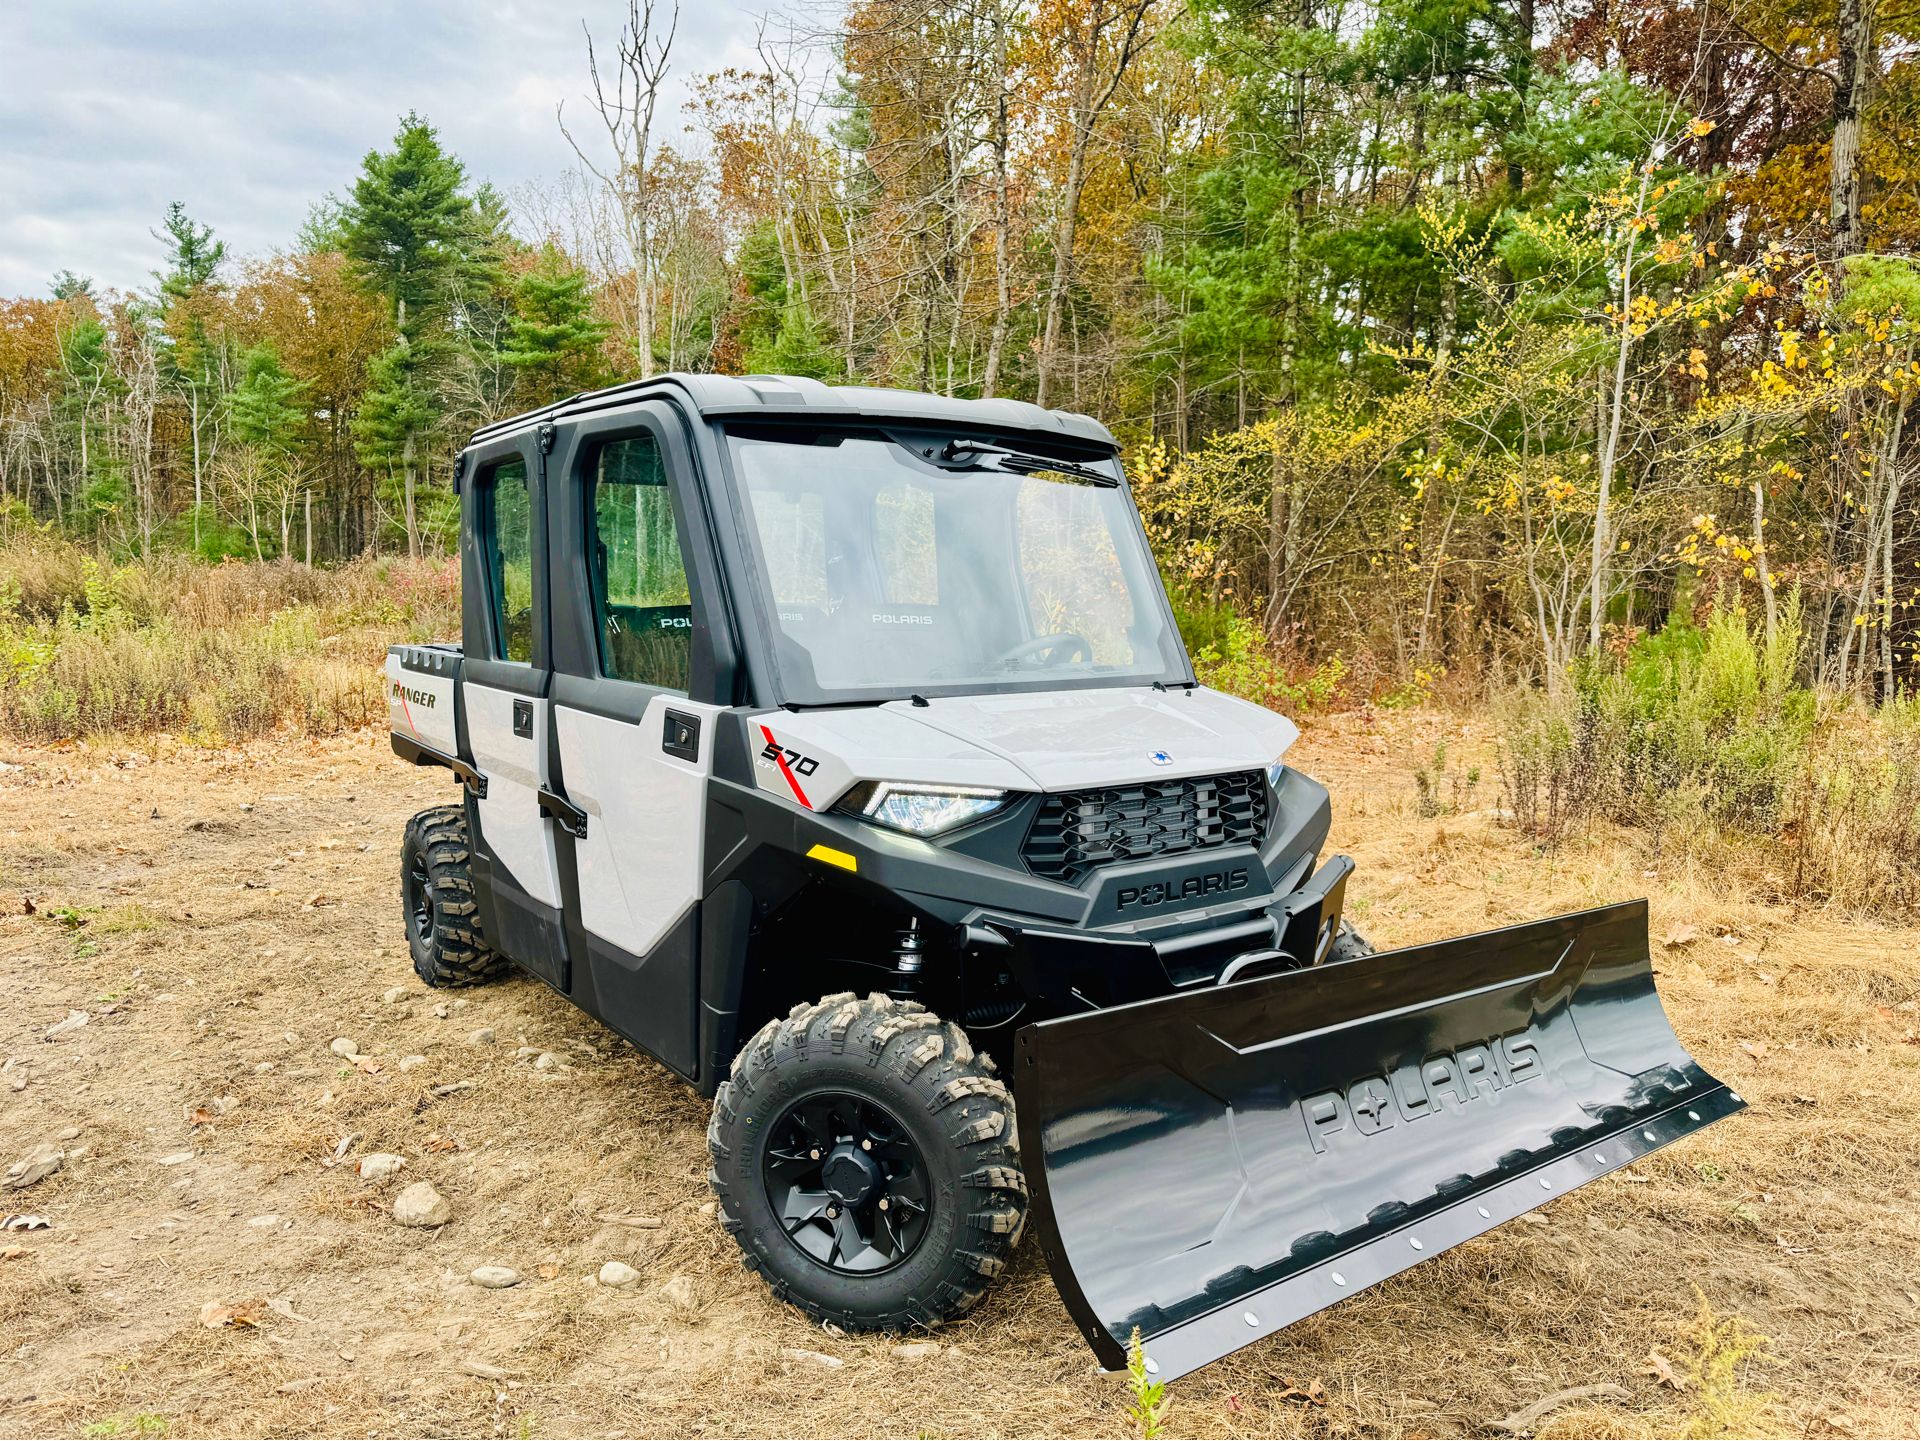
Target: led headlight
920	810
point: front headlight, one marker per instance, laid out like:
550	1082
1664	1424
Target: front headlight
920	810
1274	774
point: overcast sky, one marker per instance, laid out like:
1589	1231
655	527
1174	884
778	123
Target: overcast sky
250	112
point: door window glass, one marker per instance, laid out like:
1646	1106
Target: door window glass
642	609
506	525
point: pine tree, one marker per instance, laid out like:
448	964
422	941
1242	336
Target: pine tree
196	256
265	405
390	428
404	227
556	335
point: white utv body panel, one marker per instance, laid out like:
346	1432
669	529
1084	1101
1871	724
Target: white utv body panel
640	862
510	814
1037	741
421	706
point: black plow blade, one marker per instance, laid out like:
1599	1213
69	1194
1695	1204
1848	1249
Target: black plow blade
1213	1166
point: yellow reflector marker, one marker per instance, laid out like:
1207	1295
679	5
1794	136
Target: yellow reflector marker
832	857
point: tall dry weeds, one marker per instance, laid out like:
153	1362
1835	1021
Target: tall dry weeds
217	652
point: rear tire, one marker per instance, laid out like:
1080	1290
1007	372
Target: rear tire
903	1065
437	902
1349	944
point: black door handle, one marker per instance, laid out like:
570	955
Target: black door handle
524	719
565	811
680	735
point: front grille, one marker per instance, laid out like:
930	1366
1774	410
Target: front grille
1078	831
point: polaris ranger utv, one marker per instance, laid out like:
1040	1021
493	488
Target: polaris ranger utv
823	741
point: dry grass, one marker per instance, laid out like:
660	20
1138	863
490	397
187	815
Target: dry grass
1797	1215
216	652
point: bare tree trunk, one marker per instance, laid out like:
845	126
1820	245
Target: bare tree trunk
1851	90
1092	94
1761	560
627	116
997	341
1611	446
413	530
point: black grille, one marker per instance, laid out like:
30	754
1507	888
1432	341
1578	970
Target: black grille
1075	832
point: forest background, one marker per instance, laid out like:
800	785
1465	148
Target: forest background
1557	356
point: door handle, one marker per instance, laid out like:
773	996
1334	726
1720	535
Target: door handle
565	811
524	719
680	735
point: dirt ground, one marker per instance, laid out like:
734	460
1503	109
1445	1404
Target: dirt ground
221	917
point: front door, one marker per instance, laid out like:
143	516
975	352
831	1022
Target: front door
634	748
505	680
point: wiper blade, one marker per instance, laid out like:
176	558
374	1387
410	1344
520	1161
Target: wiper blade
1023	464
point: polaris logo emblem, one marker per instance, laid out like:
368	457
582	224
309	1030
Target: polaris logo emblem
1407	1094
1161	893
417	697
1160	758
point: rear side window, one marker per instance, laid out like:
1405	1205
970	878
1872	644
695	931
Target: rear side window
506	527
642	610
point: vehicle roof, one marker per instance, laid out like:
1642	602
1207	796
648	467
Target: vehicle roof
794	397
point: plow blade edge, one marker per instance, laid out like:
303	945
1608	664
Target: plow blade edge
1213	1166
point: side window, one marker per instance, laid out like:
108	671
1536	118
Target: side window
642	609
507	529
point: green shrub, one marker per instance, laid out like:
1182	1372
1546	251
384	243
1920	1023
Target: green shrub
1701	736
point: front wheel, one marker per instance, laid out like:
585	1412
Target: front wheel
866	1162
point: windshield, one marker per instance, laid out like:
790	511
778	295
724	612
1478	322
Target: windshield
887	576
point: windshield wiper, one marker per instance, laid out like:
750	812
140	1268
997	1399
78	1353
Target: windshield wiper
1023	464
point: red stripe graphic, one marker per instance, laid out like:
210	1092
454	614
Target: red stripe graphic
781	761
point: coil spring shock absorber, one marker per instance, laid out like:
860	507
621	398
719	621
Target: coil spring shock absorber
908	951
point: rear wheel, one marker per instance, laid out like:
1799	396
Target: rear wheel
437	902
865	1160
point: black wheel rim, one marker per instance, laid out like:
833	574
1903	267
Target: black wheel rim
420	906
847	1182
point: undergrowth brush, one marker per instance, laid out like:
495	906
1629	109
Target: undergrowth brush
216	653
1701	738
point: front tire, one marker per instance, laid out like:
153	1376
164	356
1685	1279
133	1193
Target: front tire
437	902
865	1159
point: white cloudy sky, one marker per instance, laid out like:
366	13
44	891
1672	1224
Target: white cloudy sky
249	112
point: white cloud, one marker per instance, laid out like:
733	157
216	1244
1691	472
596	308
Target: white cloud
249	112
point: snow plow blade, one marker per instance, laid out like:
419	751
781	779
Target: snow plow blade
1213	1166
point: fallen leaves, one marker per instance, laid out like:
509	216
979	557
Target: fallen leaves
1313	1393
1234	1404
1662	1370
547	1273
1681	933
20	1221
1757	1050
250	1312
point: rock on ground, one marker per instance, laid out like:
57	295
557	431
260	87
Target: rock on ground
379	1166
421	1205
619	1273
344	1048
494	1277
34	1168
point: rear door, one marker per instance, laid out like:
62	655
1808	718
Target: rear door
505	679
634	710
